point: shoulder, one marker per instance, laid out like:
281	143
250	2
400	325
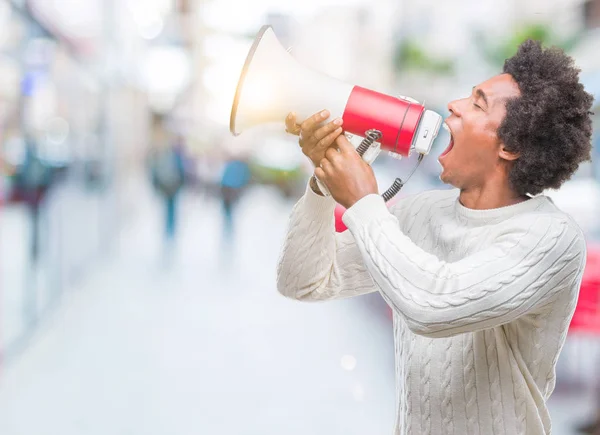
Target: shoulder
550	226
549	212
570	228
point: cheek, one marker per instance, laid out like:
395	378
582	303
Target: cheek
481	131
482	140
477	156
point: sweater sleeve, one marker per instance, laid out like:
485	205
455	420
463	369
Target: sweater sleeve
317	263
524	269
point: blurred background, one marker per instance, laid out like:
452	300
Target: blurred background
139	239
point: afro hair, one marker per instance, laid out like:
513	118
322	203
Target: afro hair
549	125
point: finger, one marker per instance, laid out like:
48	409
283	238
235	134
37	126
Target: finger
328	140
290	124
344	144
325	164
328	128
311	123
332	154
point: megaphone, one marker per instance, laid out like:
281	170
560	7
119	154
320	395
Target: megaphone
273	84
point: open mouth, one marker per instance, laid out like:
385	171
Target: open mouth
451	144
447	150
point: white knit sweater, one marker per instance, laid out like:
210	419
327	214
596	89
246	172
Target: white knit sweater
482	300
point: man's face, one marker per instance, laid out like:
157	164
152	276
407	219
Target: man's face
475	151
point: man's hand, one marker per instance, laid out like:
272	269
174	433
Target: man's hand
347	176
315	138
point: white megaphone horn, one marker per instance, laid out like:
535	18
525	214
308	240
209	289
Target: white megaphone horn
273	84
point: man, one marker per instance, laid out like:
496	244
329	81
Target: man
483	280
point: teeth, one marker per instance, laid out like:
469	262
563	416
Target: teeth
445	126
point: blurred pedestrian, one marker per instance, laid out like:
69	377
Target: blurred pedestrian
32	180
168	177
235	178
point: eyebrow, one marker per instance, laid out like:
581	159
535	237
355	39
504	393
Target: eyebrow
482	95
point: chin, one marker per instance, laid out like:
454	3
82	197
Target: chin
446	179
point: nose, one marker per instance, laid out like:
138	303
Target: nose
453	108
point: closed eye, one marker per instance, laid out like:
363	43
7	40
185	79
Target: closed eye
479	94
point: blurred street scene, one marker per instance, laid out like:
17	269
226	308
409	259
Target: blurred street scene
139	239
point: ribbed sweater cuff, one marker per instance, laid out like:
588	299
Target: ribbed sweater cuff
318	204
371	207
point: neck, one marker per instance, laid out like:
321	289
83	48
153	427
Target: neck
490	197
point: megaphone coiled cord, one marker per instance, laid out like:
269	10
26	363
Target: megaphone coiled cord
399	184
371	137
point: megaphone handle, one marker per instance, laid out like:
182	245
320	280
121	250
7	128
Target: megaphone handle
324	190
371	136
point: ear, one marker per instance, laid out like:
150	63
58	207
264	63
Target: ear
505	154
